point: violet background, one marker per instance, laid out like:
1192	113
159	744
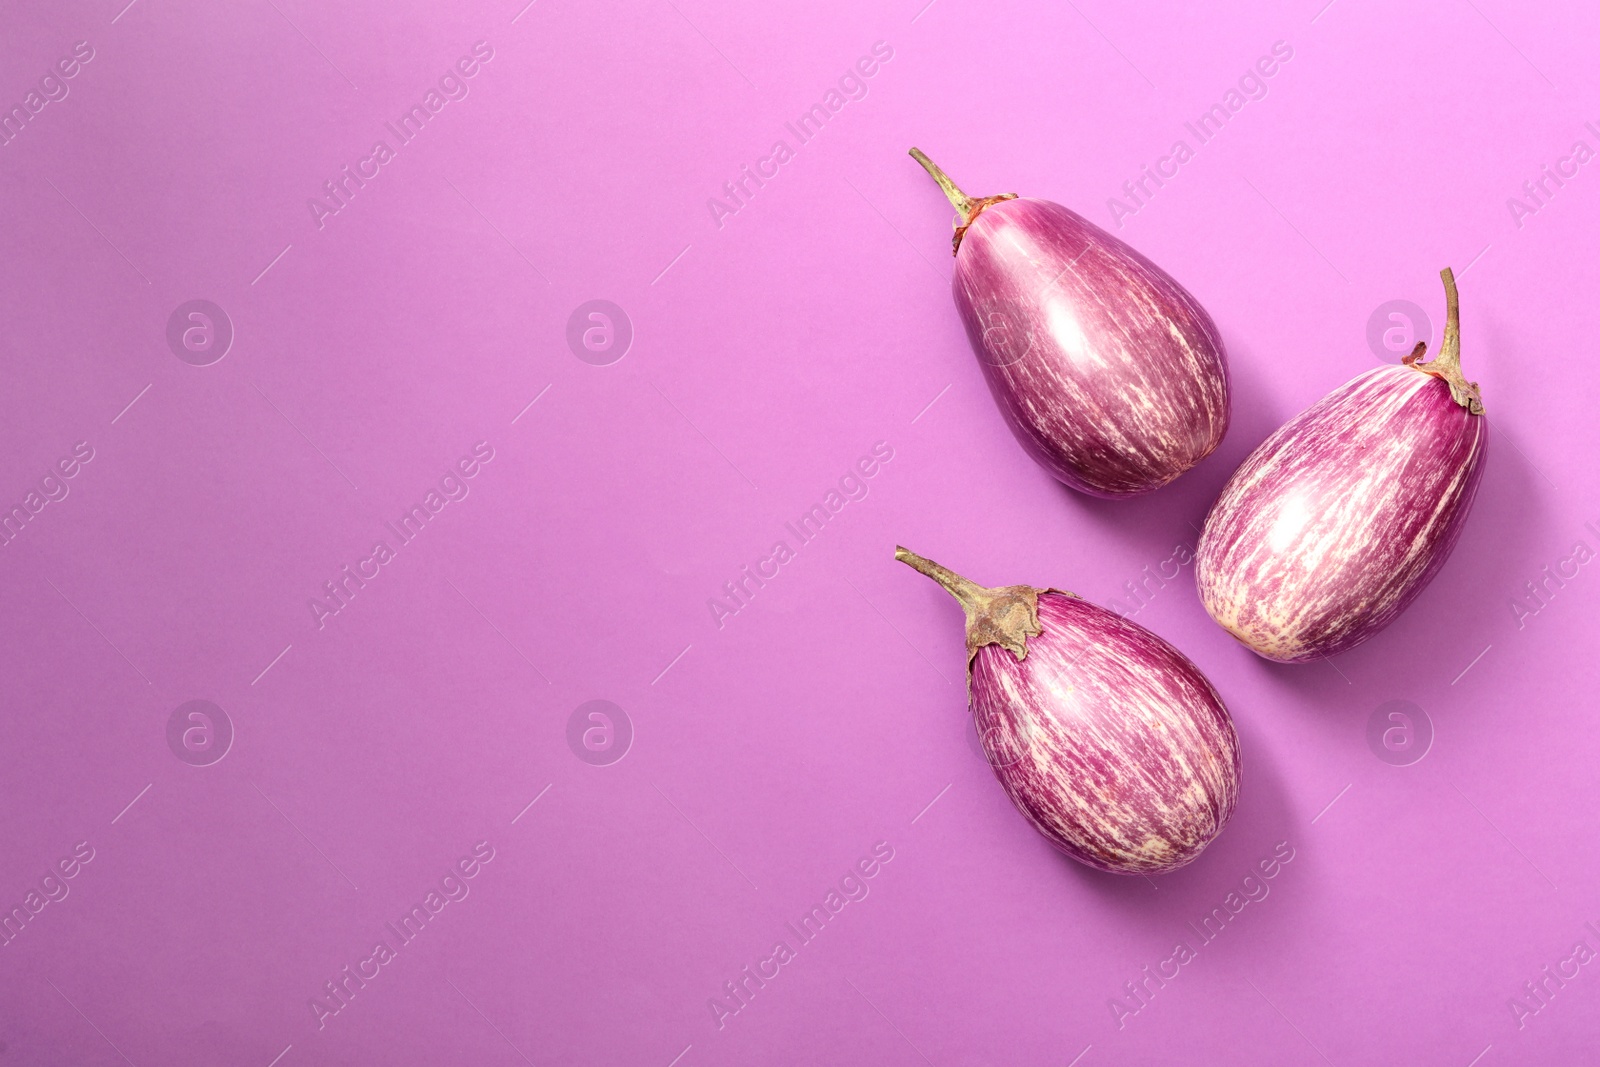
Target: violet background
769	354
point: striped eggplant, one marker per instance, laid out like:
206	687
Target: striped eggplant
1111	375
1107	739
1344	515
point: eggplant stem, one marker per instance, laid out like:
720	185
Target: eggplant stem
967	208
1447	364
958	200
1006	616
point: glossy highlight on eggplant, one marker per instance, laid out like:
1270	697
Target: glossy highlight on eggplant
1109	740
1339	520
1109	373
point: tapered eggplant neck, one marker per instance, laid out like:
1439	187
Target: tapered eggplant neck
967	208
1006	616
1447	364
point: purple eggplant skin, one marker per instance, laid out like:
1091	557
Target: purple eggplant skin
1107	739
1112	377
1341	518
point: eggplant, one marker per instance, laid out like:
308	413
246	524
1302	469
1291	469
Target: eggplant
1108	740
1338	521
1112	377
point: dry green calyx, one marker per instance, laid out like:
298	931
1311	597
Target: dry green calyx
1006	616
1447	364
967	208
